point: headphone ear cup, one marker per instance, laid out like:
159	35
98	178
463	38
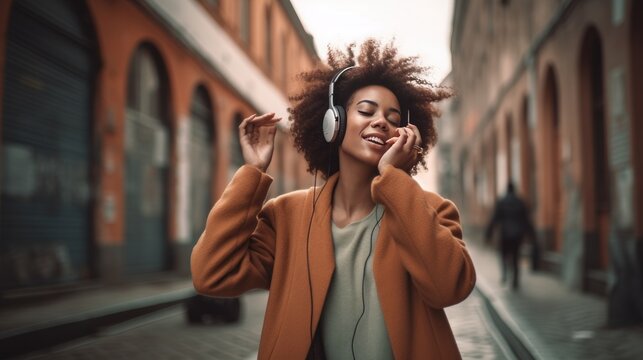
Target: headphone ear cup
341	123
329	126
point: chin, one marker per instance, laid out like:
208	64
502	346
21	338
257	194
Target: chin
372	161
368	158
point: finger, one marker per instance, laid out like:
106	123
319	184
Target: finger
244	128
392	140
266	121
418	136
245	122
404	137
408	146
263	117
269	115
401	139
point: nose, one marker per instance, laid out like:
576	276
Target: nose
380	122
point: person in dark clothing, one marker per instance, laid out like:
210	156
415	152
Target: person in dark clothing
512	216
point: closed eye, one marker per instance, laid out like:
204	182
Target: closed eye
391	121
395	123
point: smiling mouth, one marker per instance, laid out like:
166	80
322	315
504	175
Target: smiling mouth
375	140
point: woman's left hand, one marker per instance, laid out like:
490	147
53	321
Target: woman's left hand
404	153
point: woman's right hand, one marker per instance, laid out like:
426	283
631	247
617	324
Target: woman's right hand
257	139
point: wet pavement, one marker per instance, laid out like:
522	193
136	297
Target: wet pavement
167	335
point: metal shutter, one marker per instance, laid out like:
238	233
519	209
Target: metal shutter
46	119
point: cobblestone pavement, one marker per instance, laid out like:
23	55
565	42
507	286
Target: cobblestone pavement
474	332
556	322
166	335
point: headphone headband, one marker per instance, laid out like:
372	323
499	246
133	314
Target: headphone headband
331	87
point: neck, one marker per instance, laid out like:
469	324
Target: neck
352	194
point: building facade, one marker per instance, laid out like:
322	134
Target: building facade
118	127
551	97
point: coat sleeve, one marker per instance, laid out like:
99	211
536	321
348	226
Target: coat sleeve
428	235
235	252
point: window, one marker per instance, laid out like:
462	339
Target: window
268	39
145	90
201	160
284	61
214	4
244	21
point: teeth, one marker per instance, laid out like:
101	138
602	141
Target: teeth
375	140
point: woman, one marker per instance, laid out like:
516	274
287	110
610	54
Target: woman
363	266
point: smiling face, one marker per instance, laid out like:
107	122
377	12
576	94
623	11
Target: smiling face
373	114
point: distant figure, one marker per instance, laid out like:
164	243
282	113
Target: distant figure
512	216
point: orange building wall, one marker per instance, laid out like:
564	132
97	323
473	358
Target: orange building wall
120	27
297	58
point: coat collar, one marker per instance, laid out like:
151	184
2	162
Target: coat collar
324	203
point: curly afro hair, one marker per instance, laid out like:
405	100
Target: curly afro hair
377	65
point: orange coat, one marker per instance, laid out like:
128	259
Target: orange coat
420	262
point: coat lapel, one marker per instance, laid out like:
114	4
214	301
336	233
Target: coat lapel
321	250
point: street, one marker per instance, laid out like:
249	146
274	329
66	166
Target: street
167	335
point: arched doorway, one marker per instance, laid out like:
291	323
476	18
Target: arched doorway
201	160
502	158
494	150
596	168
528	161
147	161
45	210
513	152
552	161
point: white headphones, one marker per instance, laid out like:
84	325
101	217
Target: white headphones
334	124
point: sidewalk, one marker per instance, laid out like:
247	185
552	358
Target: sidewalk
35	322
550	320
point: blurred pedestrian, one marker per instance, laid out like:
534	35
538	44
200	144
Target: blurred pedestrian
340	284
512	217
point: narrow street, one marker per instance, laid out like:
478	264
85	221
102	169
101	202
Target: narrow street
167	335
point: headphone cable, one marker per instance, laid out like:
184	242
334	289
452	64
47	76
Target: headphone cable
370	251
310	283
310	222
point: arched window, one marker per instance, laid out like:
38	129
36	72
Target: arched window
595	155
244	20
552	149
147	160
528	168
268	38
201	160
